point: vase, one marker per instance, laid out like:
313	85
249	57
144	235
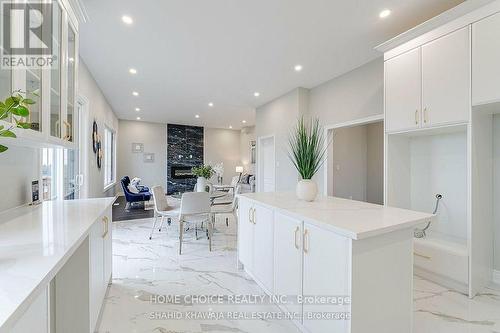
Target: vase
307	190
201	184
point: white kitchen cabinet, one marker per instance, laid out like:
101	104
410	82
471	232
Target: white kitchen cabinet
288	258
403	94
325	278
100	265
263	246
485	60
36	318
446	79
245	233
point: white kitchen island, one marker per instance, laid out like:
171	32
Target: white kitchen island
349	252
55	266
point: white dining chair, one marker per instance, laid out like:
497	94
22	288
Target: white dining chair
162	208
195	209
228	209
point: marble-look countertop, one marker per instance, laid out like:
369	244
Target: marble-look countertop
349	218
35	242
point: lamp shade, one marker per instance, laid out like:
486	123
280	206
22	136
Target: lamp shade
239	169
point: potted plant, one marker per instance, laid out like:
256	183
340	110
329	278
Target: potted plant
203	172
14	105
307	153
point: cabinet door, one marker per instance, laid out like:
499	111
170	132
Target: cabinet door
288	258
485	60
446	79
55	72
108	249
245	233
96	263
403	91
263	246
326	273
36	318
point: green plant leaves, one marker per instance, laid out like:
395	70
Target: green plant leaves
20	111
8	134
16	105
3	148
29	101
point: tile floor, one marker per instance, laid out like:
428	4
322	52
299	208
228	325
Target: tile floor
146	272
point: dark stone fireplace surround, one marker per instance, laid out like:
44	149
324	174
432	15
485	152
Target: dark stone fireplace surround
184	151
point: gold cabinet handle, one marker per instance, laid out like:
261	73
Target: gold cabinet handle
67	137
425	115
306	241
421	255
295	237
416	117
250	211
105	222
254	219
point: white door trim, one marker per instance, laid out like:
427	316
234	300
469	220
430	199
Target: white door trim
83	144
259	160
356	122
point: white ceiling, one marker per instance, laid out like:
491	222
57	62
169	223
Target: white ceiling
192	52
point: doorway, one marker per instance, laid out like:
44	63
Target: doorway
266	164
355	161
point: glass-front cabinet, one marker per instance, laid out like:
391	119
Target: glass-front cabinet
53	88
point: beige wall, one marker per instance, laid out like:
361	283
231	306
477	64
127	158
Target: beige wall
223	145
277	118
246	137
375	166
154	138
355	95
100	111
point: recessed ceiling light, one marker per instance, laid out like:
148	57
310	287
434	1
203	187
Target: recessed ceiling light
384	13
211	104
127	19
230	127
256	94
135	93
137	109
132	71
244	121
298	68
197	116
138	118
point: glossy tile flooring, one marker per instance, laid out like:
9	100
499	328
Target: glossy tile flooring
147	274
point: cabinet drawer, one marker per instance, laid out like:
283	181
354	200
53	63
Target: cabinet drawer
450	264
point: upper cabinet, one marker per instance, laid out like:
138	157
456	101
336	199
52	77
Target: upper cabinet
55	73
486	60
429	85
403	96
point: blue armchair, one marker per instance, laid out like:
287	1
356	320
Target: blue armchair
131	198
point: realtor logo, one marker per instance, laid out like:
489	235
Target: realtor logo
26	34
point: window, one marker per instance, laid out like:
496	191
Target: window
109	158
50	173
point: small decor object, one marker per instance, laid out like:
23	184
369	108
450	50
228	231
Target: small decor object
95	135
35	192
219	171
15	105
253	144
239	169
137	147
307	153
99	153
149	157
203	172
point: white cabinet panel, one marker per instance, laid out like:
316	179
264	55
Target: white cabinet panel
108	249
485	60
403	91
446	79
97	290
263	246
245	233
288	258
327	261
36	318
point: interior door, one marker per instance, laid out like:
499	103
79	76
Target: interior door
446	79
288	258
403	91
326	273
263	246
245	233
267	170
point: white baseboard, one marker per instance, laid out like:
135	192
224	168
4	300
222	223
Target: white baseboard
496	277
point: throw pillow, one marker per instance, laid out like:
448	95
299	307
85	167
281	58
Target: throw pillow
133	189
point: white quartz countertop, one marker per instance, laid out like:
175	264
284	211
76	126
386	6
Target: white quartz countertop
349	218
35	242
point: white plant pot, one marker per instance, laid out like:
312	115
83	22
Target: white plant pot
201	184
307	190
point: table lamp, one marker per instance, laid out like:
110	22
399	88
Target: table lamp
239	169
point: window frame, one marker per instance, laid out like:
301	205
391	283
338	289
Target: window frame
109	182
